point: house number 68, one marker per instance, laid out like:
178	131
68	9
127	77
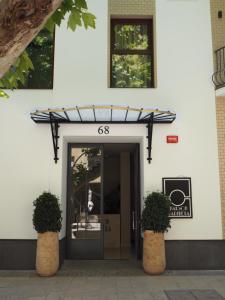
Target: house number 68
103	130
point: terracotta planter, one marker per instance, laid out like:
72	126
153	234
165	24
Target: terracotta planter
47	256
154	258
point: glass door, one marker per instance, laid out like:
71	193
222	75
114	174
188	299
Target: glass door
85	202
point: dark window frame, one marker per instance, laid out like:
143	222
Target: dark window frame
149	51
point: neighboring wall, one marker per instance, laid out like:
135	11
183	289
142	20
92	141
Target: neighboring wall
218	36
132	7
218	24
220	113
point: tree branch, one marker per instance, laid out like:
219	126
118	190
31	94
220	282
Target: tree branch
20	22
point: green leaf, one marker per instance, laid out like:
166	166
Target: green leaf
50	25
67	5
57	17
89	20
3	94
81	4
74	20
26	62
17	62
17	73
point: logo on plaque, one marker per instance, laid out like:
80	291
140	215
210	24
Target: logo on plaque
179	192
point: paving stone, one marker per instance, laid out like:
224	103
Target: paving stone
158	295
193	295
207	295
178	295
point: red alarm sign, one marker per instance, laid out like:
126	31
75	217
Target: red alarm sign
172	139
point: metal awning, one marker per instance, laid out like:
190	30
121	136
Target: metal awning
101	114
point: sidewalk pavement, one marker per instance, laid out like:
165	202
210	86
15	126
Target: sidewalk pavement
112	280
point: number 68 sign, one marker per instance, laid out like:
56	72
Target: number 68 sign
103	130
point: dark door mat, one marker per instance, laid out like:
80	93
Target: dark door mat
193	295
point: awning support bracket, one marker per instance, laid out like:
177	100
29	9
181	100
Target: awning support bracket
149	136
55	135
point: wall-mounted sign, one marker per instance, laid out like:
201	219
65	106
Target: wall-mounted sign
172	139
179	192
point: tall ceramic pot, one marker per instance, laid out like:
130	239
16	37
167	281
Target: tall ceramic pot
47	255
154	258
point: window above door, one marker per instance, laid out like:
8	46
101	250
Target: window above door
131	52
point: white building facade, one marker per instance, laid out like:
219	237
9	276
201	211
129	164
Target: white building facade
183	66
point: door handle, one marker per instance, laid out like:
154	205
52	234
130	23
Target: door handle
134	227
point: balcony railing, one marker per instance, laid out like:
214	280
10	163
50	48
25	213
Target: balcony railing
218	77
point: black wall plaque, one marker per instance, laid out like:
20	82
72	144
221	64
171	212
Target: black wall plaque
179	192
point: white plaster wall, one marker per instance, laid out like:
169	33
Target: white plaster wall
184	68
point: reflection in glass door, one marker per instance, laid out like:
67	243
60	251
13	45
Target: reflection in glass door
85	205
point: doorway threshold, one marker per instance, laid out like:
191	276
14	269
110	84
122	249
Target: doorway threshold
91	268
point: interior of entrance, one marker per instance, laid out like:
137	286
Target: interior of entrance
118	201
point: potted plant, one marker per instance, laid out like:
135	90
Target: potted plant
155	221
47	222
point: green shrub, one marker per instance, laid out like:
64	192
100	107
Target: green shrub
155	215
47	213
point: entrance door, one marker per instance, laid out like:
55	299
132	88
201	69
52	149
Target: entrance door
85	202
103	225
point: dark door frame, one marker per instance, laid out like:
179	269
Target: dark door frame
138	198
138	205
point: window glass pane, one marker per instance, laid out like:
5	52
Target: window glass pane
133	37
41	52
131	71
85	199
